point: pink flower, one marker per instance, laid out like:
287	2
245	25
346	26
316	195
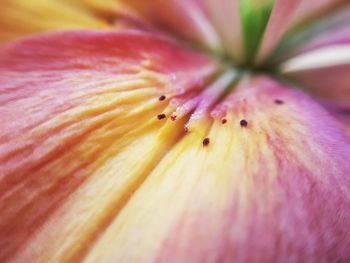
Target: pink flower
175	131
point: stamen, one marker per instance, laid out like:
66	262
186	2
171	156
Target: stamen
206	142
205	101
244	123
278	101
162	98
173	117
161	116
223	121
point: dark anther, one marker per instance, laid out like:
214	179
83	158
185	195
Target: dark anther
161	116
206	142
279	102
161	98
223	121
173	117
186	129
244	123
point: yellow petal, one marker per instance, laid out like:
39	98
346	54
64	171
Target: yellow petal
105	8
22	17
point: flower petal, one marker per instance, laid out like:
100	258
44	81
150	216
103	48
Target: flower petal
80	132
106	8
286	17
278	24
330	83
310	9
225	17
22	17
322	65
273	189
334	32
184	17
331	30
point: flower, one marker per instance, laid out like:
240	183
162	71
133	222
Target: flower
174	131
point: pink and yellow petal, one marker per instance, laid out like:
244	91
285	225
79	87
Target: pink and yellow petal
89	172
75	107
274	190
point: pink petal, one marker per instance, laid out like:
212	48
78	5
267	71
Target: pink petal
322	65
74	107
225	17
336	34
330	83
279	22
184	17
275	190
333	30
288	14
310	9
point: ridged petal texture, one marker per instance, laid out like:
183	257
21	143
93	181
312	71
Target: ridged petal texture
116	147
80	132
274	191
